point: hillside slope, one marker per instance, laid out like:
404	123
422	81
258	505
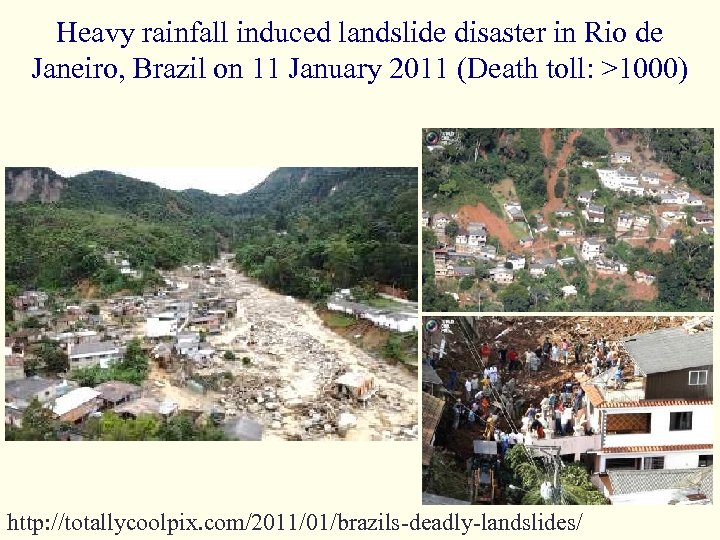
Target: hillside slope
58	228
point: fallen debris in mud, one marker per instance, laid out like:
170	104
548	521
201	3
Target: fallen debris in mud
285	371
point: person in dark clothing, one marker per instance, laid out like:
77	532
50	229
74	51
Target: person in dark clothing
512	359
452	379
502	355
578	351
546	348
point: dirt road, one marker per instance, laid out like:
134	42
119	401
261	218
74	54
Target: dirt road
552	172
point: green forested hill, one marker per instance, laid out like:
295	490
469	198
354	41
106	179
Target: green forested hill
302	231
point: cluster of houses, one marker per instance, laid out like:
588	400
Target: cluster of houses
73	404
402	319
592	250
457	256
173	320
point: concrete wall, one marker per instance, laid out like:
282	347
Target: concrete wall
660	434
673	460
156	327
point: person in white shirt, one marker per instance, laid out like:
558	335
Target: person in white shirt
468	389
545	406
493	375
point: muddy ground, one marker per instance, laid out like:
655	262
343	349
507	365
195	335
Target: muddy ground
286	362
526	333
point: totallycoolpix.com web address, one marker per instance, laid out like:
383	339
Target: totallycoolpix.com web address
170	524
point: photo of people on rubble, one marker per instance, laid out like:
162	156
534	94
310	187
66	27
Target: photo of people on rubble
516	410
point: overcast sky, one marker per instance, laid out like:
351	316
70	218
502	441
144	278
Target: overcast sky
213	180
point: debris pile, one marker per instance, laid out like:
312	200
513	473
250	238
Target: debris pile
284	372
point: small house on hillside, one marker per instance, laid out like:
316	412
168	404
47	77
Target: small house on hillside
621	157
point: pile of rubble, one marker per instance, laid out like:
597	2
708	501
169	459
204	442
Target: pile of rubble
285	368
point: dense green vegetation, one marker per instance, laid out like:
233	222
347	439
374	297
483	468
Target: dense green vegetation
688	152
302	231
463	172
51	247
361	228
592	143
519	470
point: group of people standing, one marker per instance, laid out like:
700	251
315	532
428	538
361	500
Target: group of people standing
558	411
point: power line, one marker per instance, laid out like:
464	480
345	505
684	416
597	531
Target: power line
475	355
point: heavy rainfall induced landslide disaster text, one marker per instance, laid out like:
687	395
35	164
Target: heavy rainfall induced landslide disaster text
466	51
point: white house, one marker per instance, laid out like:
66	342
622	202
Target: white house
625	222
584	197
514	211
564	212
632	189
517	261
663	416
594	213
502	275
650	177
471	239
694	200
702	218
641	222
659	420
568	290
439	221
591	249
537	270
621	157
161	325
187	343
670	198
674	215
565	232
488	253
425	218
93	353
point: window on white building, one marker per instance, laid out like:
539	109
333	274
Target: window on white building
698	378
705	460
680	421
657	462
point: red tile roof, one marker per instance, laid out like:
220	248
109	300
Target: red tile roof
666	448
597	400
657	403
593	395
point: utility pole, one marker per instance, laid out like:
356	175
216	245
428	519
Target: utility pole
553	454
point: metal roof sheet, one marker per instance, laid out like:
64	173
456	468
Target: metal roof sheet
670	349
